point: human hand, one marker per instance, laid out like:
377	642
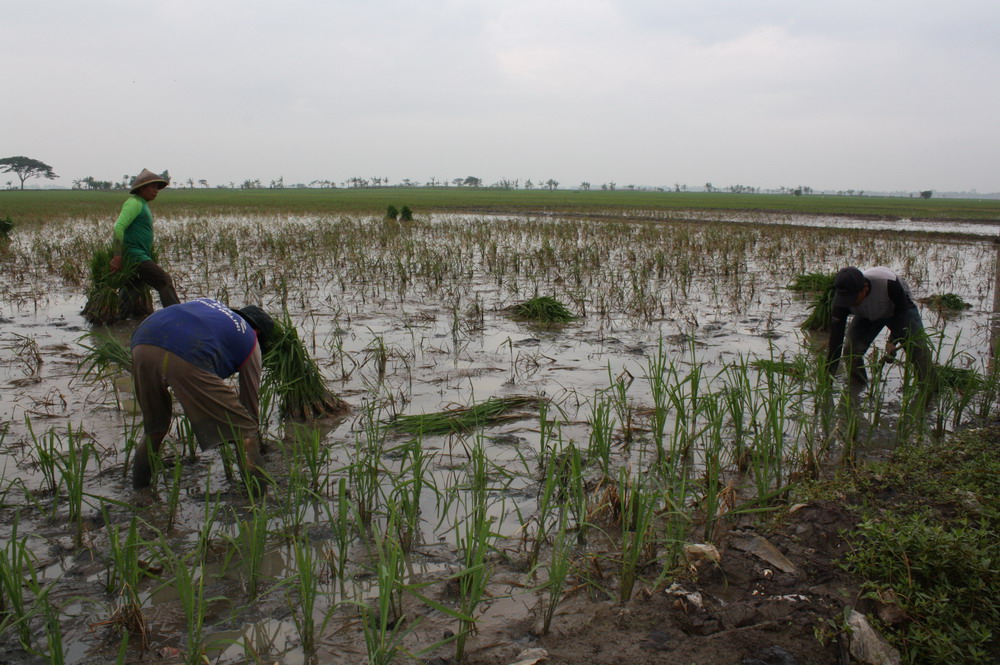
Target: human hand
116	263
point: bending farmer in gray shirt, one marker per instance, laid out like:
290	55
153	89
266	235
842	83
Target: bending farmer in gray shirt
877	298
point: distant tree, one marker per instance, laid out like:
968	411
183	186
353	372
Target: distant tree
472	181
612	185
585	186
926	194
709	188
25	167
552	184
528	184
203	182
457	181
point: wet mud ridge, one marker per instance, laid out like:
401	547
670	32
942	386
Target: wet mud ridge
774	597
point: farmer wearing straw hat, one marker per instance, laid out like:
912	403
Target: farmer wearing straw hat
877	298
133	236
191	348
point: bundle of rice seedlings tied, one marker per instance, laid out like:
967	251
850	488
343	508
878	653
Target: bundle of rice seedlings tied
820	286
291	374
106	357
544	309
114	296
464	419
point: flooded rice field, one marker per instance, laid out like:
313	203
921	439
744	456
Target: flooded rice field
682	396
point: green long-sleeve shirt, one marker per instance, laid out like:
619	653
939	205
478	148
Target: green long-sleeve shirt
133	235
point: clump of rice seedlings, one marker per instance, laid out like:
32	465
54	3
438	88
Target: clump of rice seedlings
798	368
959	379
946	303
295	377
106	357
405	214
462	420
543	309
114	296
821	287
812	282
391	213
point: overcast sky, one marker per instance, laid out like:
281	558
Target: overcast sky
893	95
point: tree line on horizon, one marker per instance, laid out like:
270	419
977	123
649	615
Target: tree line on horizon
26	168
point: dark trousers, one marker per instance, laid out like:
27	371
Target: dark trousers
158	280
906	330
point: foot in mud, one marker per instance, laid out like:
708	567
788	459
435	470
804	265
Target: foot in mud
143	497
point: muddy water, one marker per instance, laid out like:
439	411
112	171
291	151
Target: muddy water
431	299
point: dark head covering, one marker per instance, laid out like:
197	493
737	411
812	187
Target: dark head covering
848	283
260	321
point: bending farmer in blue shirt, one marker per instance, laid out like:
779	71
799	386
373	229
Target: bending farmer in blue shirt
192	348
877	298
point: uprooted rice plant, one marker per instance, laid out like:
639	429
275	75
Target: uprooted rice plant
583	458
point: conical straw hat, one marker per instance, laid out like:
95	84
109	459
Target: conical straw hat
145	178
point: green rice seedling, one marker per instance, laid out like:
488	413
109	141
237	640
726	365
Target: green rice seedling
45	453
384	625
113	296
188	583
657	366
475	539
174	493
602	428
560	564
623	405
105	358
714	447
377	352
462	420
26	350
767	455
308	595
55	651
72	465
391	213
17	570
548	494
405	214
250	541
294	376
408	487
638	507
310	458
364	474
542	310
343	530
